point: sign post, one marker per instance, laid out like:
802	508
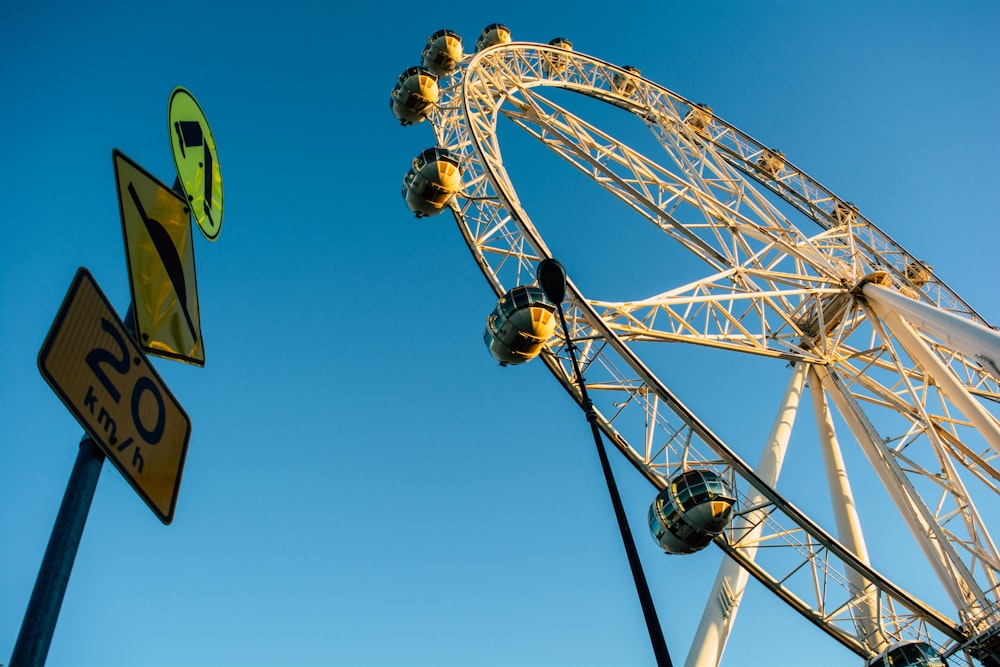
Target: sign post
35	636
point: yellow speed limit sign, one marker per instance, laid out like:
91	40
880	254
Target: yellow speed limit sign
196	161
91	362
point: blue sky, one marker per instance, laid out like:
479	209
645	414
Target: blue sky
364	485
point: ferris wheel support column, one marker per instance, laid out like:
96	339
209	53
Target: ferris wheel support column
953	574
933	366
720	611
867	618
976	340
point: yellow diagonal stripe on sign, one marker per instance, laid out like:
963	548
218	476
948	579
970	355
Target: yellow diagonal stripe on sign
159	247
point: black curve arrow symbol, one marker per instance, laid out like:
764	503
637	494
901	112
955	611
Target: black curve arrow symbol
208	185
168	255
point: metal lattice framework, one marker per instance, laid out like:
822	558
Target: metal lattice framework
796	282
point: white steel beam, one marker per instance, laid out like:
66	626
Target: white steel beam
889	305
720	611
867	621
972	338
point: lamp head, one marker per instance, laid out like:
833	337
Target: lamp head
552	279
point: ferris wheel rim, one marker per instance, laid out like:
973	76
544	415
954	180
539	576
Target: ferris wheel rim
537	244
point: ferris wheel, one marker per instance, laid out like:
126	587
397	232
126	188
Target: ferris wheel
790	273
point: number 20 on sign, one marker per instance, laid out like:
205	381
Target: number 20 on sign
94	366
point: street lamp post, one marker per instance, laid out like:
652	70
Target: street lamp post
552	279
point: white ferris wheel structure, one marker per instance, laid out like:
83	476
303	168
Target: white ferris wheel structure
873	341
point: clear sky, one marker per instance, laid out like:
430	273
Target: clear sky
364	485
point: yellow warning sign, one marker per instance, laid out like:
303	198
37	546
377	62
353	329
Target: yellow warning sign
94	366
196	160
159	247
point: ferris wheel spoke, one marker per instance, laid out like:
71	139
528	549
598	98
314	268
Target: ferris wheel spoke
722	313
638	184
737	224
818	203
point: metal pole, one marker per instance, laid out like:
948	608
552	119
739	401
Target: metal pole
32	646
641	586
552	278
